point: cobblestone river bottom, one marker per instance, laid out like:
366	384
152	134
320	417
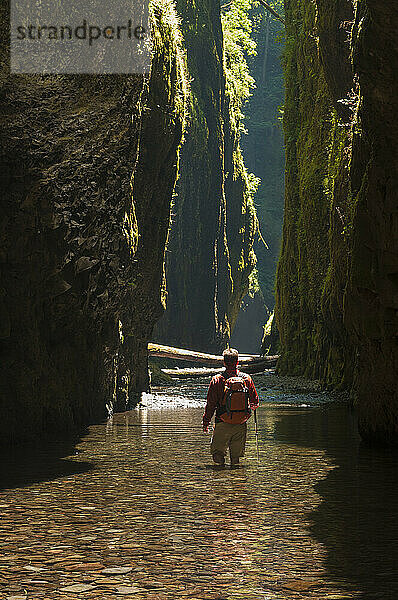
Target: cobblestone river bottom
137	510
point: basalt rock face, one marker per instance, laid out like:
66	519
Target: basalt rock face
371	306
333	24
210	251
308	301
89	167
337	287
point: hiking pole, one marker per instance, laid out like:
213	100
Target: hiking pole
256	433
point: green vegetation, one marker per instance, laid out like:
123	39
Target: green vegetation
254	44
335	282
238	45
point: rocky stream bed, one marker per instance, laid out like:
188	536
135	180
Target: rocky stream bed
134	508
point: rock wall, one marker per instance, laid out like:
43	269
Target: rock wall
371	305
210	253
337	288
89	164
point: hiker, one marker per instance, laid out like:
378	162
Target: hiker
232	396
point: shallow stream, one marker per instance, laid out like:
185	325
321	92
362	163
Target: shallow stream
136	509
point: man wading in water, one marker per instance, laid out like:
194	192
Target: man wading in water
232	396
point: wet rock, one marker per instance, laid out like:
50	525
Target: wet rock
72	153
83	567
116	570
84	263
78	588
128	589
210	252
337	283
337	597
300	585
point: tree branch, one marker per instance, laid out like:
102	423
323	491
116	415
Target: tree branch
272	11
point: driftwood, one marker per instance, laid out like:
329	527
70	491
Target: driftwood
249	363
205	359
191	373
205	372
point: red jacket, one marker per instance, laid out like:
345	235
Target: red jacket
216	391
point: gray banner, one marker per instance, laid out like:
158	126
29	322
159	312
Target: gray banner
80	36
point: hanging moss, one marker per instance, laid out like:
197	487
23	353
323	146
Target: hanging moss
305	255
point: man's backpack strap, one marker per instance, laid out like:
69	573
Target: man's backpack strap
221	408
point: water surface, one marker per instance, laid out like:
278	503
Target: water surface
137	509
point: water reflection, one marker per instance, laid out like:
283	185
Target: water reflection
300	523
357	518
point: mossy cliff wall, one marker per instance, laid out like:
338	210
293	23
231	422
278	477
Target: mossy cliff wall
263	146
89	165
371	305
313	140
337	288
209	255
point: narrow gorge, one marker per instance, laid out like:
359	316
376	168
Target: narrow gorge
210	253
199	300
141	209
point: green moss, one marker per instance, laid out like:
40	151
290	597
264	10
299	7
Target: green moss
158	377
312	268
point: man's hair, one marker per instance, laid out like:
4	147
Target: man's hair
230	356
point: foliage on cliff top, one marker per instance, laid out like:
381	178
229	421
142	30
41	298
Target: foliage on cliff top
238	44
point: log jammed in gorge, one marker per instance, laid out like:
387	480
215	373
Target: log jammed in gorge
248	363
182	354
195	373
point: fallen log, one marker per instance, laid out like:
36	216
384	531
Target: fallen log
206	359
194	373
206	372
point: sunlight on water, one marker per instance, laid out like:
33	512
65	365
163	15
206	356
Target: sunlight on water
191	393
